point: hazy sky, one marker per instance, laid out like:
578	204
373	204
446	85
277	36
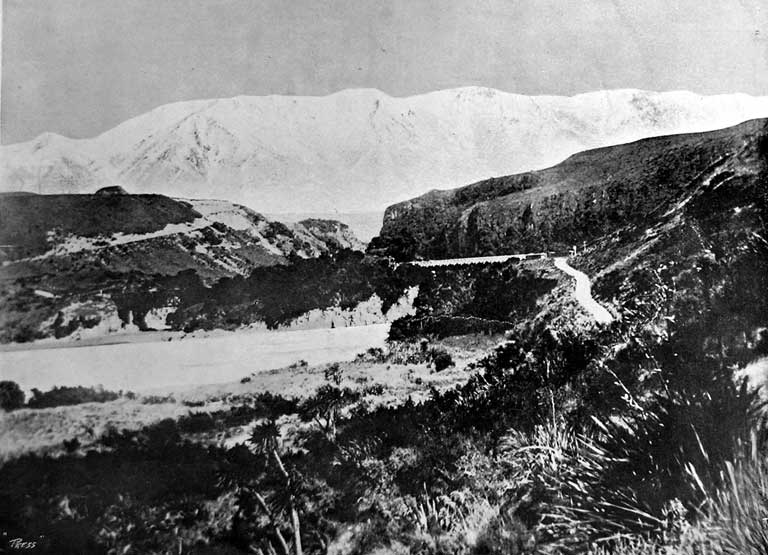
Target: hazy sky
78	67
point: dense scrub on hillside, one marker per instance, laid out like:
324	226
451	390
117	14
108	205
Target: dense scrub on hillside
472	299
493	298
87	294
278	294
271	294
451	301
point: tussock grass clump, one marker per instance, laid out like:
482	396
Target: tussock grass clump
733	519
737	512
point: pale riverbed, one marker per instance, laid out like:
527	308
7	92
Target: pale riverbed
220	358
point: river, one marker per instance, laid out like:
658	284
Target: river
138	366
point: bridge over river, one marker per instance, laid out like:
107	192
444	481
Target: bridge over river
477	260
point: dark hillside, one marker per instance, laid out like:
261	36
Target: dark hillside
584	197
705	261
73	261
25	220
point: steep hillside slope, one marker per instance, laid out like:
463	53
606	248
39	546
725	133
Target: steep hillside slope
72	261
585	197
29	222
328	233
354	150
152	234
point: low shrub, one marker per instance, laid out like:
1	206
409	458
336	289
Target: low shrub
274	405
71	445
11	396
373	354
64	396
333	374
374	389
326	406
410	352
157	399
407	352
441	360
196	422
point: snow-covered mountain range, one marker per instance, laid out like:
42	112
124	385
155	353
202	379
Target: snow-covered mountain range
356	150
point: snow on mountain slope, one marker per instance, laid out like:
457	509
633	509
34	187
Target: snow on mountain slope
357	149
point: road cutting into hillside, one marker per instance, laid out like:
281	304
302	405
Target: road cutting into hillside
583	292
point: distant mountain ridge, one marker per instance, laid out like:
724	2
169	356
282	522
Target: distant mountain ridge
356	150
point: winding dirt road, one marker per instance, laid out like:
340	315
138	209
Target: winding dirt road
583	292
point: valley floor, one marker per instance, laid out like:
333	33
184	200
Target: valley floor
44	430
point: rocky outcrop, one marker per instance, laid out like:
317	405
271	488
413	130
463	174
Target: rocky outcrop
585	197
363	314
327	234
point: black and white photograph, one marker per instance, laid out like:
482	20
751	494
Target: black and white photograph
372	277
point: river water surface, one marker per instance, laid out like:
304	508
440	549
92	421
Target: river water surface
138	366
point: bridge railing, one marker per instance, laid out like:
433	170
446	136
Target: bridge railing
496	259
